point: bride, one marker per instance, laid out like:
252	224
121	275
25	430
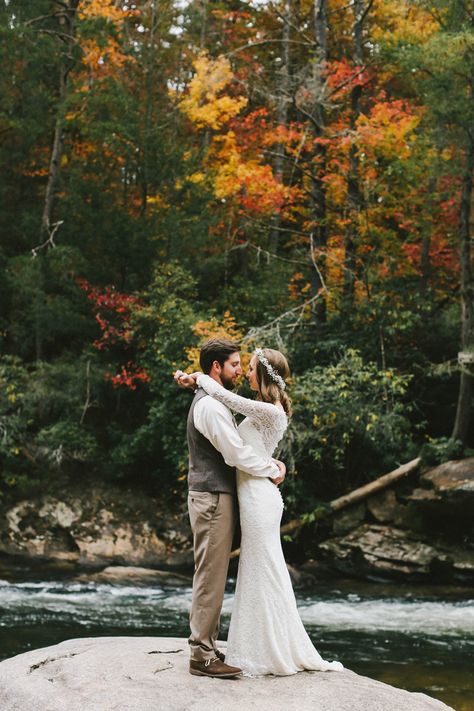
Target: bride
266	635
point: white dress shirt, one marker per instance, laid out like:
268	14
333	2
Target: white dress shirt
214	420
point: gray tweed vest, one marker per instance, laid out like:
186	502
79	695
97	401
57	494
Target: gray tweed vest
207	468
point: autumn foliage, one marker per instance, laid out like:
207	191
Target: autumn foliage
297	175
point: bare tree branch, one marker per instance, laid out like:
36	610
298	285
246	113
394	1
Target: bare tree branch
318	271
49	241
258	43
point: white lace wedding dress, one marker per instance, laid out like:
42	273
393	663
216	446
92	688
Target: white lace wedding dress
266	635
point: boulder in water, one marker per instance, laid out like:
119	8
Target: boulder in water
382	552
135	575
448	490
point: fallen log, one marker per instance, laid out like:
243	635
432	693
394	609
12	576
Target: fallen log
363	492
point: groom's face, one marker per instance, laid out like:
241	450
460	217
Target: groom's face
230	371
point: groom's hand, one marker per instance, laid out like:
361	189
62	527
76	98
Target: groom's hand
279	479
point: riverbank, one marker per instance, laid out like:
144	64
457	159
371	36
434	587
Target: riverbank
419	530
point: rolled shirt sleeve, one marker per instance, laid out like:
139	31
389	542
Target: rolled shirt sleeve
214	420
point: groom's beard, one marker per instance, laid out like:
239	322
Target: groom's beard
228	383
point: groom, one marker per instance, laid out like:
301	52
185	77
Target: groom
215	451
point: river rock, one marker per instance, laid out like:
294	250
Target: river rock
349	518
447	490
96	527
382	552
384	506
151	673
134	575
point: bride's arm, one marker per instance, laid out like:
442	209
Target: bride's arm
245	406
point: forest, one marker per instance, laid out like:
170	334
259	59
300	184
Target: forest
295	174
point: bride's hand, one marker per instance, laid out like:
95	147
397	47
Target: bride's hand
282	467
185	380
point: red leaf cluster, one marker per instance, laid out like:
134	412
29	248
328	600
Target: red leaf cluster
113	311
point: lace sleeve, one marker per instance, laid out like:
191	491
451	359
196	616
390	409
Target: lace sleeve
262	411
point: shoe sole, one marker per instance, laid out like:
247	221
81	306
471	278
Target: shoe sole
196	672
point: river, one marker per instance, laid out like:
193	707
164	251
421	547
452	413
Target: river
417	638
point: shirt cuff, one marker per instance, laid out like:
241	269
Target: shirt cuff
198	378
277	473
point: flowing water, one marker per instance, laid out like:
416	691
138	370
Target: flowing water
417	638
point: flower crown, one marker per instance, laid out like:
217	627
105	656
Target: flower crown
276	377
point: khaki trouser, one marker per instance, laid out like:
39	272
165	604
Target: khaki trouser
213	517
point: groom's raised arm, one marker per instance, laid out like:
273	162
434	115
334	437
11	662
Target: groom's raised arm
214	421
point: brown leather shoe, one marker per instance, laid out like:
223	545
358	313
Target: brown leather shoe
215	668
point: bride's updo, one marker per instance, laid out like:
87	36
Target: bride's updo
268	389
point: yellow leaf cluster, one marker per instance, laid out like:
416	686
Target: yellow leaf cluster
205	105
158	201
402	21
197	178
215	328
103	9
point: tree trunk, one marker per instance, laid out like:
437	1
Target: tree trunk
425	262
204	13
282	118
354	194
67	20
318	189
150	89
464	405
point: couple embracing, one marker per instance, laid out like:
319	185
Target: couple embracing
229	463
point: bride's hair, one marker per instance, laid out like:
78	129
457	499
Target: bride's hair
268	390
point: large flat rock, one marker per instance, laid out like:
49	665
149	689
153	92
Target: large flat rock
385	552
151	674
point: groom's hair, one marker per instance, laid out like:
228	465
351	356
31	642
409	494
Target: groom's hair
216	349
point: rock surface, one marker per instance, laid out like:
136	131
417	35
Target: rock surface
421	534
133	575
96	527
448	490
415	531
151	673
385	552
384	506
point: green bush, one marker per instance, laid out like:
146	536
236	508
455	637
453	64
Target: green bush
350	423
439	450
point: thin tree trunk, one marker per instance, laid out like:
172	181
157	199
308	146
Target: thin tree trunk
150	88
67	18
464	405
204	13
206	138
425	261
354	194
282	117
318	189
56	152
